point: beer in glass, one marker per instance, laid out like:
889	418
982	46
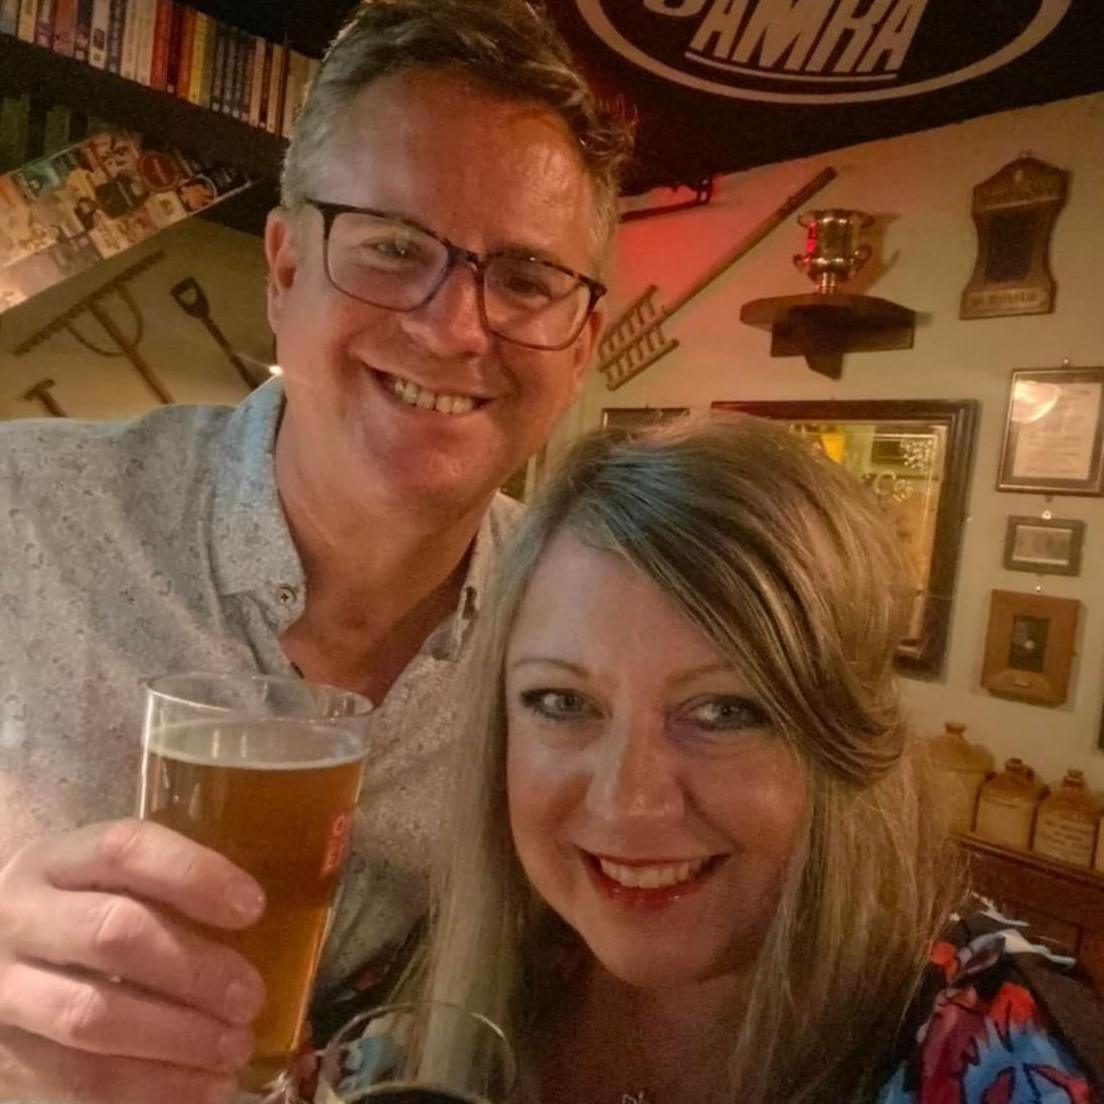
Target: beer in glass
265	771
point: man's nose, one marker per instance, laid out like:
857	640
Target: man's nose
635	775
451	323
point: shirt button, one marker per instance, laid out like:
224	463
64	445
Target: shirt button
286	595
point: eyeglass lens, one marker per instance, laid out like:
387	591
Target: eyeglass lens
393	265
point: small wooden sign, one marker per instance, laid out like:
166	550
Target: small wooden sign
1014	212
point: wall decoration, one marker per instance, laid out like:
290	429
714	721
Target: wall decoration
1029	646
1054	432
40	394
823	326
1014	212
634	340
62	213
633	417
1045	546
121	343
190	297
915	454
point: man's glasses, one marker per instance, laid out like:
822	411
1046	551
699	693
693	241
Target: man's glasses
389	263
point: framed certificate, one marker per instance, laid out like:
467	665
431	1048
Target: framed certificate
1053	434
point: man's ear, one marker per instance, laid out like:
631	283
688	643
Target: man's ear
282	254
585	347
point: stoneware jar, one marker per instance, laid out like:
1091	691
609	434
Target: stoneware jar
960	767
1065	827
1006	806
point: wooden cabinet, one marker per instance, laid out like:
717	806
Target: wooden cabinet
1063	904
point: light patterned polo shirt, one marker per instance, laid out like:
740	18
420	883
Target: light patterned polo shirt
133	549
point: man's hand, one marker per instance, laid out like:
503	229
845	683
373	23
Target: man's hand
102	997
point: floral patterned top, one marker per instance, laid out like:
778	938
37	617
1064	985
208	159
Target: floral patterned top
999	1020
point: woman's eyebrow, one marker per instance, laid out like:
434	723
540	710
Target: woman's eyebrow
547	661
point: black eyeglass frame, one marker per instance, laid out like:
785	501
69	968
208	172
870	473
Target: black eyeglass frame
456	254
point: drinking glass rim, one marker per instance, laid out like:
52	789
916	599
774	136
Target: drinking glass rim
155	683
338	1041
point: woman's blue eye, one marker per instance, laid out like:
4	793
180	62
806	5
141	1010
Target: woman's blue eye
729	713
556	705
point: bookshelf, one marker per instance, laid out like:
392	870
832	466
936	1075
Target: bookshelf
25	66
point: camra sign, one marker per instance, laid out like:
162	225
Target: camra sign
821	51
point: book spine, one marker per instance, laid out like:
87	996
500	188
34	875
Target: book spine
256	80
266	84
218	66
128	64
65	27
147	26
82	36
184	61
206	80
44	24
9	16
172	50
28	19
277	88
159	55
199	49
115	27
242	66
97	39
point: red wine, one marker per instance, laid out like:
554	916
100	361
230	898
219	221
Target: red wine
414	1094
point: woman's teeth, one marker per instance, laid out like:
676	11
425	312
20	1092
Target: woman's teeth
421	397
658	876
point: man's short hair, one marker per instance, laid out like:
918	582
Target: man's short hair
508	46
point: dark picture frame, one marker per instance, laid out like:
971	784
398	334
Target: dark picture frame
917	455
1054	432
1044	546
1029	646
634	417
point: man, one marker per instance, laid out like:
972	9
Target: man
448	199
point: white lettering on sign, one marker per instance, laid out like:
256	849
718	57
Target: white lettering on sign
861	43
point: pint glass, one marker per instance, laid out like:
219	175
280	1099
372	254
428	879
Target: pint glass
265	771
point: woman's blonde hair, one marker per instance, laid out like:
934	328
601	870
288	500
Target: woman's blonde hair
784	562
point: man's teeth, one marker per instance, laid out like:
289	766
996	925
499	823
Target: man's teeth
652	877
424	399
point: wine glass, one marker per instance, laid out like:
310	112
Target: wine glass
420	1052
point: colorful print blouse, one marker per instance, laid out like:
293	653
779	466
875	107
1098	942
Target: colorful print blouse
999	1020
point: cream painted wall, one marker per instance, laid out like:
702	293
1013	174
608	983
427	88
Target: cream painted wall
228	265
919	187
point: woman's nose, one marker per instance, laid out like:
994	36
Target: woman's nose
635	775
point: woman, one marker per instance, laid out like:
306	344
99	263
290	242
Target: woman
695	858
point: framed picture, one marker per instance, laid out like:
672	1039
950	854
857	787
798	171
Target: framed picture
1029	646
1054	432
1044	546
916	456
633	417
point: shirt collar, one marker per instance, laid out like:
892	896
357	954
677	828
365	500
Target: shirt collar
251	544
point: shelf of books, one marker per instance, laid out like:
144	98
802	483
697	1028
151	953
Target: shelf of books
201	83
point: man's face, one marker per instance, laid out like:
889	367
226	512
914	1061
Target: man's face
488	174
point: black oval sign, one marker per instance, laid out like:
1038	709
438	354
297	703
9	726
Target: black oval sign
821	51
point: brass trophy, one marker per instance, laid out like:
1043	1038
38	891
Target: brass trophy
832	252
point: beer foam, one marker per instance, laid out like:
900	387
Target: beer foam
274	745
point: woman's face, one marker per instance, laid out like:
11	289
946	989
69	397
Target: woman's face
652	806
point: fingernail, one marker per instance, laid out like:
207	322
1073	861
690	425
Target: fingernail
235	1048
246	899
243	1000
